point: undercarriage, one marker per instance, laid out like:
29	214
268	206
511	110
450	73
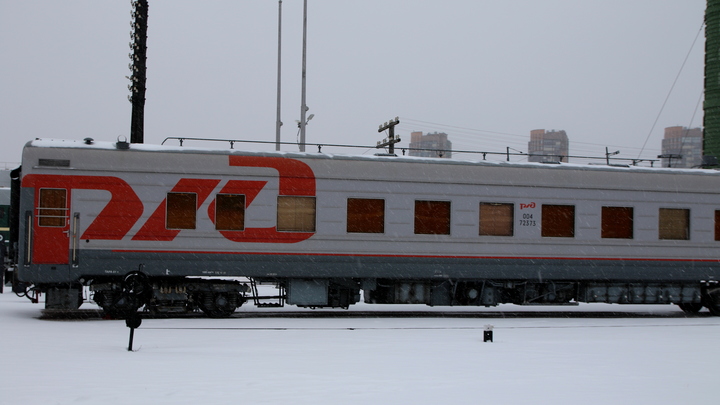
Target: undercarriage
219	298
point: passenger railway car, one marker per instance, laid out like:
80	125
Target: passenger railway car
171	229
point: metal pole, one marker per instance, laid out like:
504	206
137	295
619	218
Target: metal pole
607	156
278	122
303	106
139	68
133	321
130	343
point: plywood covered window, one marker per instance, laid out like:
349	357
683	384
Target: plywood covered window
432	217
296	214
558	221
365	215
52	207
674	223
181	211
496	219
617	222
230	212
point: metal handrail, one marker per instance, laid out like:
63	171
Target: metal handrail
232	142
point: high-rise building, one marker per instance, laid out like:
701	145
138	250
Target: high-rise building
551	146
682	147
711	105
430	145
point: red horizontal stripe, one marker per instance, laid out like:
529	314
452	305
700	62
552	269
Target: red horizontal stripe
417	256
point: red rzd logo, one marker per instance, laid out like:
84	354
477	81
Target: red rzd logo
125	208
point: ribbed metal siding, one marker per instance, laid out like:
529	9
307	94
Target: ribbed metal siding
711	122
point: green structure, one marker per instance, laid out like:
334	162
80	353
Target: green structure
711	121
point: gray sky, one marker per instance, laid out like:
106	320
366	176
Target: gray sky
484	71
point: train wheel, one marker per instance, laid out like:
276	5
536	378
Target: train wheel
119	306
714	308
711	299
690	308
219	305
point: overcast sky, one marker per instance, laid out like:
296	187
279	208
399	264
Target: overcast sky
486	72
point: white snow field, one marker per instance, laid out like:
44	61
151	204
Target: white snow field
655	356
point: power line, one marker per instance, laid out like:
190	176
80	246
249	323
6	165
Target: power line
671	89
468	138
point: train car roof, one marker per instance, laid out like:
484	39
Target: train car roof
5	178
113	146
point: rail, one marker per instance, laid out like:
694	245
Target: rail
440	152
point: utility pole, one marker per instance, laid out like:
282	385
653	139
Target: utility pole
303	105
138	68
670	157
278	122
607	155
390	141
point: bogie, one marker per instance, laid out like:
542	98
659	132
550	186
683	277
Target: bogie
216	298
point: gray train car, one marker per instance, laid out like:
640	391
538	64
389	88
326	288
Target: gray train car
172	228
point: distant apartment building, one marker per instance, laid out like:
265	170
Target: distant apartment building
551	146
430	145
682	147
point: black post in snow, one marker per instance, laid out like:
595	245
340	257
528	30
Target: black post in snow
133	322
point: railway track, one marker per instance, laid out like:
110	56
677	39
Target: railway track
97	314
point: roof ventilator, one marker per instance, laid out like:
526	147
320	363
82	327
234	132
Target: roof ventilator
122	143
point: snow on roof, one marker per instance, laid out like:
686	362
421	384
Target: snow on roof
103	145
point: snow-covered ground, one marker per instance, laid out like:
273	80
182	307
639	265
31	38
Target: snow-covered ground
655	357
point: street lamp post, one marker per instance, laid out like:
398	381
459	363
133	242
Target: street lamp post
303	105
278	122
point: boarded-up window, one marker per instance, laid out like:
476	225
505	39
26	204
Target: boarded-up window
296	214
496	219
717	225
558	221
52	207
365	215
181	210
674	223
230	212
432	217
617	222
